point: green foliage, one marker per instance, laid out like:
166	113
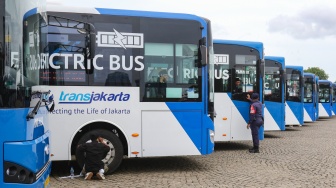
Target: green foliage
319	72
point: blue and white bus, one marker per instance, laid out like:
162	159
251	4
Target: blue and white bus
325	99
317	78
274	93
310	97
241	63
294	95
24	136
334	98
106	70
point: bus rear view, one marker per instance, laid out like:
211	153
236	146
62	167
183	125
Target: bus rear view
24	135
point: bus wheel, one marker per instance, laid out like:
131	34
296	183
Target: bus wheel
113	157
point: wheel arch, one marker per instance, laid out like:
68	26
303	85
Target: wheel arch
99	124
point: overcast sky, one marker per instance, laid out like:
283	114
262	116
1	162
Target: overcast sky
304	32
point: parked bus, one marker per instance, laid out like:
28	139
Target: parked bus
24	136
325	98
317	78
239	70
294	95
334	99
142	80
274	93
310	98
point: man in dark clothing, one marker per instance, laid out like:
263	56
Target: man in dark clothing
162	83
94	151
237	88
255	121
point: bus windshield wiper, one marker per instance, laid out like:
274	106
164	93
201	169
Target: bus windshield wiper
43	98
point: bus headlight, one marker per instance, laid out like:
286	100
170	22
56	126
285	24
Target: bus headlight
212	136
18	174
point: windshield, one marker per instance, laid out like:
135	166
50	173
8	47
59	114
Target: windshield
16	83
293	80
273	81
308	89
324	93
236	70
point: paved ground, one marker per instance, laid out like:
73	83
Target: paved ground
298	157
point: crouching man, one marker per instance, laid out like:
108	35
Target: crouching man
93	153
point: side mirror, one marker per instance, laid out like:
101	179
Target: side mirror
301	81
90	40
262	68
92	45
204	52
283	75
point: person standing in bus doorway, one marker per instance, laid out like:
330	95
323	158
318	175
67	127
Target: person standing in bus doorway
255	120
237	88
95	151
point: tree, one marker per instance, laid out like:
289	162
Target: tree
319	72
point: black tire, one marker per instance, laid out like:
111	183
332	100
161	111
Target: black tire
113	158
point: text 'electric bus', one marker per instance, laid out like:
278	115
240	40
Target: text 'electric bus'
310	97
239	70
24	135
142	80
325	98
274	93
294	95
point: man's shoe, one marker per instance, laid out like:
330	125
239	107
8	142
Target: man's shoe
100	176
254	151
251	150
88	176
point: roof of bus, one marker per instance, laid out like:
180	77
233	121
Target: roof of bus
308	74
275	58
239	42
294	67
121	12
252	44
325	81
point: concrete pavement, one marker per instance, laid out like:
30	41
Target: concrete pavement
298	157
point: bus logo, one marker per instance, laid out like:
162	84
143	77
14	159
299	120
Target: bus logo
120	39
87	98
221	59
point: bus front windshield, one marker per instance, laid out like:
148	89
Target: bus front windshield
16	82
324	93
308	90
236	70
293	80
273	80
